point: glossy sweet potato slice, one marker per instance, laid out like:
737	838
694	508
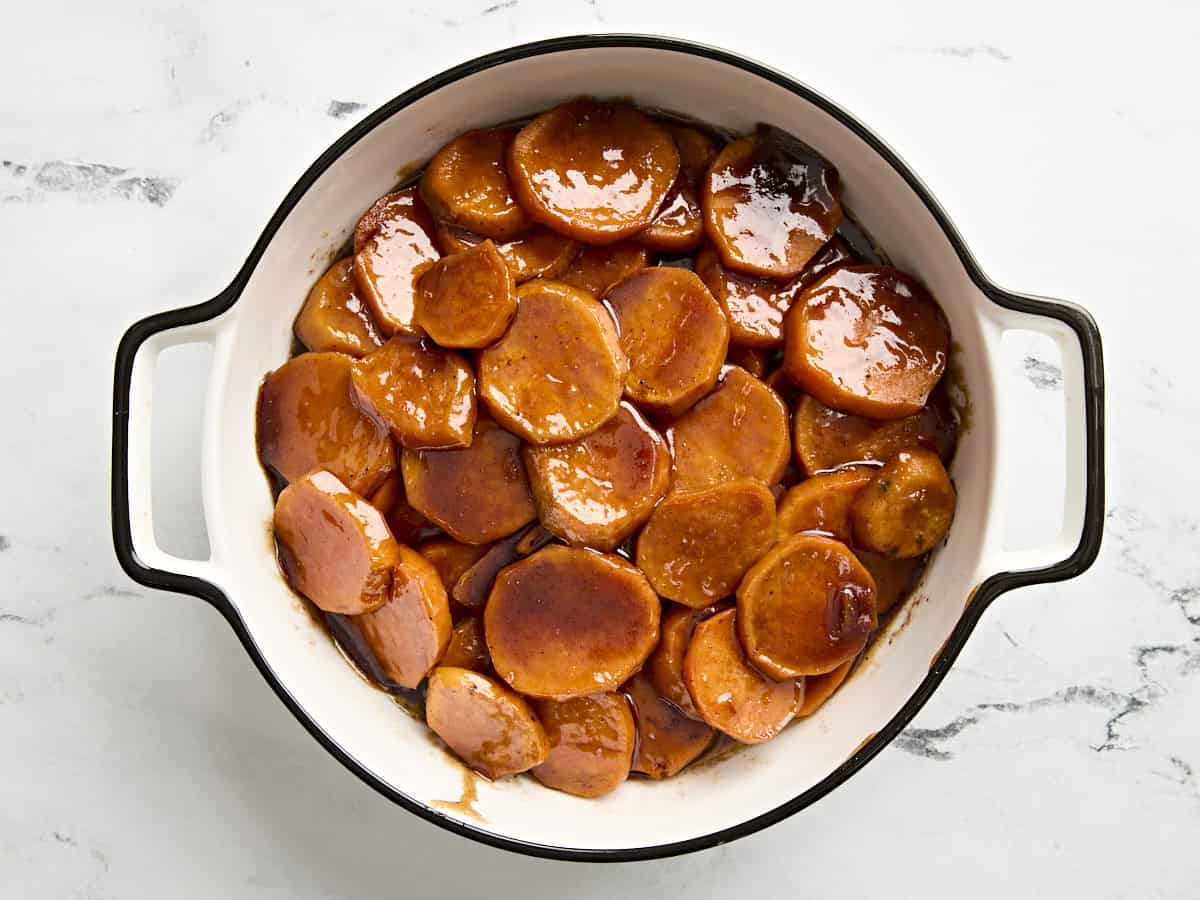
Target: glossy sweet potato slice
823	503
894	578
697	149
740	430
591	743
664	668
467	648
467	299
466	184
393	245
597	490
307	420
867	340
668	741
566	622
674	335
490	728
557	374
475	494
806	607
819	688
727	691
770	204
679	225
907	508
424	395
697	545
406	523
752	359
597	269
334	546
335	318
595	171
410	632
541	253
451	558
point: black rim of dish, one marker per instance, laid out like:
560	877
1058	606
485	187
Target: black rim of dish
1075	317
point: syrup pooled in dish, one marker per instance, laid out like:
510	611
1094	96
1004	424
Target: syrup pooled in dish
605	443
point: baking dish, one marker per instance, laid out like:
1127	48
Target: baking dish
249	326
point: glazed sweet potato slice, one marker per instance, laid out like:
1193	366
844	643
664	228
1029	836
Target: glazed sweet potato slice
907	508
740	430
754	306
752	359
567	622
334	546
466	184
597	269
664	668
674	335
806	607
591	743
597	490
467	648
819	688
424	395
697	149
770	204
451	558
595	171
475	584
490	728
894	578
867	340
475	494
335	318
394	244
697	545
467	299
307	420
679	225
668	741
406	523
729	693
541	253
823	503
410	632
557	374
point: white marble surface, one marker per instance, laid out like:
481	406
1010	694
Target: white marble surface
145	146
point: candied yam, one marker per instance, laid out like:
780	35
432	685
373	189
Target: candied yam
424	395
752	359
591	743
806	607
697	545
727	691
819	688
307	420
907	508
475	494
679	225
597	269
541	253
664	668
823	503
451	558
334	317
754	306
597	490
894	578
674	335
466	184
467	299
697	149
867	340
406	523
393	245
567	622
557	374
334	546
490	728
467	649
668	741
595	171
473	586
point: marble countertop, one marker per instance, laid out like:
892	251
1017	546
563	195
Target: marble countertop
143	147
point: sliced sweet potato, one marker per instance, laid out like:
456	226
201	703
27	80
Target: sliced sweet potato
591	743
406	523
697	149
674	335
597	269
334	318
307	420
668	741
823	503
393	245
451	558
597	490
541	253
595	171
894	578
566	622
472	588
697	545
819	688
727	691
466	184
557	374
490	728
907	508
806	607
334	546
467	299
752	359
679	225
467	648
664	668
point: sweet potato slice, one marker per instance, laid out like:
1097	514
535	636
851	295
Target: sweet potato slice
591	743
466	184
823	503
475	494
596	491
393	245
410	632
557	374
541	253
424	395
668	741
740	430
595	171
664	668
894	578
907	508
467	299
819	688
697	545
490	728
752	359
451	558
334	546
727	691
566	622
406	523
806	607
307	420
674	335
679	225
335	318
467	648
597	269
